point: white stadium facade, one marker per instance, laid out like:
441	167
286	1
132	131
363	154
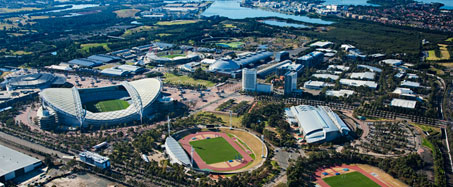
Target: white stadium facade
68	104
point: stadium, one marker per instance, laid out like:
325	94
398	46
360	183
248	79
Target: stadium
33	81
123	103
216	151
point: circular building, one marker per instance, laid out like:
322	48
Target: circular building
123	103
34	81
224	65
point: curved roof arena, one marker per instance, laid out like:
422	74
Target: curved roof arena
68	101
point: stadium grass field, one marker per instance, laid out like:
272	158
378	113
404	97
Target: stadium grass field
353	179
214	150
107	106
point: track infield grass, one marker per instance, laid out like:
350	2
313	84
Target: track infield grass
214	150
353	179
107	106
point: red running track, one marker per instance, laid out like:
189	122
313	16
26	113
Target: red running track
202	165
356	168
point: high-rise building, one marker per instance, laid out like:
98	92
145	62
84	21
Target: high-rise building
249	80
290	82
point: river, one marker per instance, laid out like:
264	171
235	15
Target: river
233	10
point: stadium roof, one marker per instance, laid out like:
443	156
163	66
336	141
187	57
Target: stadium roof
363	75
11	160
36	79
357	83
403	103
177	150
64	99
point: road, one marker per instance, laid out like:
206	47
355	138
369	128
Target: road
31	145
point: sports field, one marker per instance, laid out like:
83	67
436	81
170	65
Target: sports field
107	106
353	179
231	44
214	150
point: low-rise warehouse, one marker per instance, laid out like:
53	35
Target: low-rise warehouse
14	164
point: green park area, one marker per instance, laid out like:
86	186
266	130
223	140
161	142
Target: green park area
137	30
176	22
214	150
353	179
171	78
88	46
106	106
444	53
126	13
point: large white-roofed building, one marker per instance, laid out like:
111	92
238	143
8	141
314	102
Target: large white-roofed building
403	103
363	75
339	93
357	83
13	163
325	76
70	104
317	124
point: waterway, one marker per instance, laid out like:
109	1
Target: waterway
284	24
232	9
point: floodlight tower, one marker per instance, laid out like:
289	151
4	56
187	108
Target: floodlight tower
231	120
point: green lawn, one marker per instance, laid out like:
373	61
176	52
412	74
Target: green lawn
214	150
172	56
185	80
176	22
353	179
107	106
86	47
427	143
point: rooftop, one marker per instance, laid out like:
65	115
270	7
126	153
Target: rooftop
96	157
357	83
363	75
11	160
371	68
403	103
326	76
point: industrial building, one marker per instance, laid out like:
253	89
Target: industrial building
282	56
392	62
123	70
32	81
370	68
85	62
339	93
316	85
69	104
357	83
95	159
103	58
311	59
410	84
317	124
338	67
325	76
321	44
14	164
363	75
229	66
403	103
290	83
